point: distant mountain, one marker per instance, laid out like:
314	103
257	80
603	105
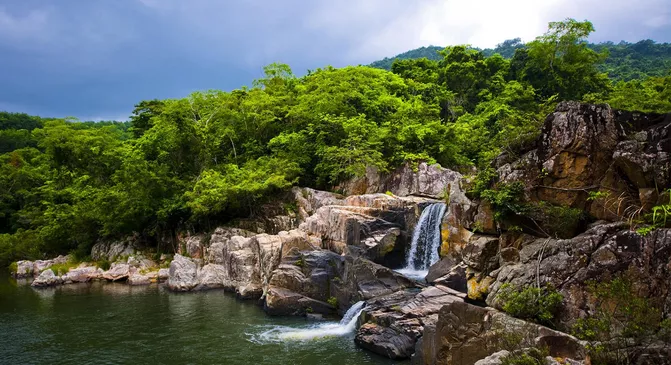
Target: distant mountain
626	61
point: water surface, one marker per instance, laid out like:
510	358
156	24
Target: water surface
107	323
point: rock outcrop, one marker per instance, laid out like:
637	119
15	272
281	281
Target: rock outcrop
47	278
463	334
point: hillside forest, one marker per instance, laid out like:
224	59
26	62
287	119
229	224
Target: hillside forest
191	163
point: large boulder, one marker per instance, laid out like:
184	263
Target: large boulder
394	322
464	334
119	271
425	180
363	279
82	275
24	269
47	278
183	274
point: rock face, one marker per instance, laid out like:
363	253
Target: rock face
111	251
464	334
587	148
394	322
598	255
427	180
183	274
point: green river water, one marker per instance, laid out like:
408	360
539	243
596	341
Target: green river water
102	323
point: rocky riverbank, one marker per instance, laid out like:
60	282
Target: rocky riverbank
590	177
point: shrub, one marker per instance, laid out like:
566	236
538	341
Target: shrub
531	303
531	356
13	267
333	301
103	264
506	199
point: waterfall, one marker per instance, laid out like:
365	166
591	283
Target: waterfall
346	326
425	242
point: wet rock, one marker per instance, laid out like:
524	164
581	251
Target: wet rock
404	315
282	302
441	268
183	274
47	278
384	341
363	279
309	273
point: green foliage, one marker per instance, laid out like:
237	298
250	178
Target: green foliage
597	195
532	356
104	264
622	324
214	156
531	303
333	301
557	220
13	267
506	199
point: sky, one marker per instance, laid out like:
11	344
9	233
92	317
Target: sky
95	59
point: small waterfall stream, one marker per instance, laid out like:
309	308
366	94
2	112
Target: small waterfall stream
346	326
425	243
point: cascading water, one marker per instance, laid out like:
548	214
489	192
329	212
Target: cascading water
346	326
425	243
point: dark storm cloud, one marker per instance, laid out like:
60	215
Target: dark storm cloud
95	59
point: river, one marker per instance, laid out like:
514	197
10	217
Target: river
114	323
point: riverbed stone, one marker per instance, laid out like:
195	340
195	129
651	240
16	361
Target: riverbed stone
82	275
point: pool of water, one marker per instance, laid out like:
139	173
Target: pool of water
107	323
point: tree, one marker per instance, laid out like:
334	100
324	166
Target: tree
560	63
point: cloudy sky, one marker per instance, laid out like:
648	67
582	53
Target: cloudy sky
95	59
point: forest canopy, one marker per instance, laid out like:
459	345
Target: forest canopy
215	155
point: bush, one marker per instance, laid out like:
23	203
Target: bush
532	356
13	267
333	301
103	264
531	303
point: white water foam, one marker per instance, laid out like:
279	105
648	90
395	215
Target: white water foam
346	326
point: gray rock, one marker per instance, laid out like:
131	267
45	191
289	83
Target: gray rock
47	278
82	275
212	276
119	271
384	341
494	359
465	334
24	269
183	274
113	250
